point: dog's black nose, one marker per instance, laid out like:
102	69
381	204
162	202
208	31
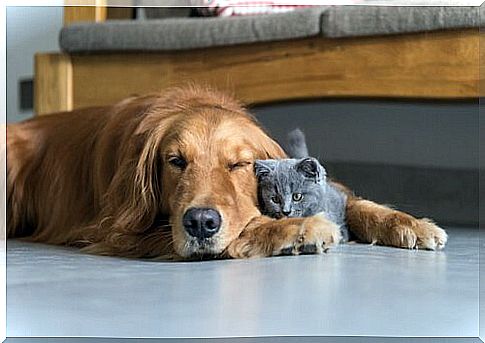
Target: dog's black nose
201	222
286	213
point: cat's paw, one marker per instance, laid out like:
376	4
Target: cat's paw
313	235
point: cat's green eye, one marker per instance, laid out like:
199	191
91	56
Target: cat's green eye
276	200
297	196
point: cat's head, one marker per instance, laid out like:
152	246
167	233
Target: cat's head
290	187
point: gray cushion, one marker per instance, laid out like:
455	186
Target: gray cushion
348	21
191	33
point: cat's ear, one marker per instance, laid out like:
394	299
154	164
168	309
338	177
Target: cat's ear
263	167
312	169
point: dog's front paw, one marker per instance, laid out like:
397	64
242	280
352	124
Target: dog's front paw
408	232
312	235
288	236
429	235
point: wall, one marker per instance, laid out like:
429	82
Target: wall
420	156
29	30
416	133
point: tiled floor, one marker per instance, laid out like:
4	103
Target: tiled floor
352	290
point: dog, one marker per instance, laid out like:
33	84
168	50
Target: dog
170	175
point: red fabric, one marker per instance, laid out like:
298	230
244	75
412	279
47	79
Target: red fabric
227	8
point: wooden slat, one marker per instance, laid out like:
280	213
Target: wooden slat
53	88
441	65
95	12
429	65
482	65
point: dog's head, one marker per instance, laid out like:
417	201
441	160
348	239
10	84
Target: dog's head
197	166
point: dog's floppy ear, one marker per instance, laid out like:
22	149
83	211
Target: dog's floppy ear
273	149
134	197
268	148
311	169
263	168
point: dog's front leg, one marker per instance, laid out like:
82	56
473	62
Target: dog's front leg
379	224
265	236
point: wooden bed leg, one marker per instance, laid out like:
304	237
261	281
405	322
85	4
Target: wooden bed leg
85	11
53	86
95	11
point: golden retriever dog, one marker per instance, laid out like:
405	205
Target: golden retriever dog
169	174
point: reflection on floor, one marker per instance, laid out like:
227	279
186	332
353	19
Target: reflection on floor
354	289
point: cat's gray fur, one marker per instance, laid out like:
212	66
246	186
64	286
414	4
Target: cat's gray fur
280	180
296	147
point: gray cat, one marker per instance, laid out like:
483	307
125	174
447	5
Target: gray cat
298	187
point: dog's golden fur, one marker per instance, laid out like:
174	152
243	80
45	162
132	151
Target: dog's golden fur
100	178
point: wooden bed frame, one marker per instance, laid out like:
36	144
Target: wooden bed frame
437	65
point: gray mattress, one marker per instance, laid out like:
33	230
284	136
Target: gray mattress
327	21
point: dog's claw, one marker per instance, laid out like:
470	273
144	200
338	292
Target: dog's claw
286	251
308	249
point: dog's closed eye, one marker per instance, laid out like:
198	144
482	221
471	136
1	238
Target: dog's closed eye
238	165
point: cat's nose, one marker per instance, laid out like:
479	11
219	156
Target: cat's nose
286	213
